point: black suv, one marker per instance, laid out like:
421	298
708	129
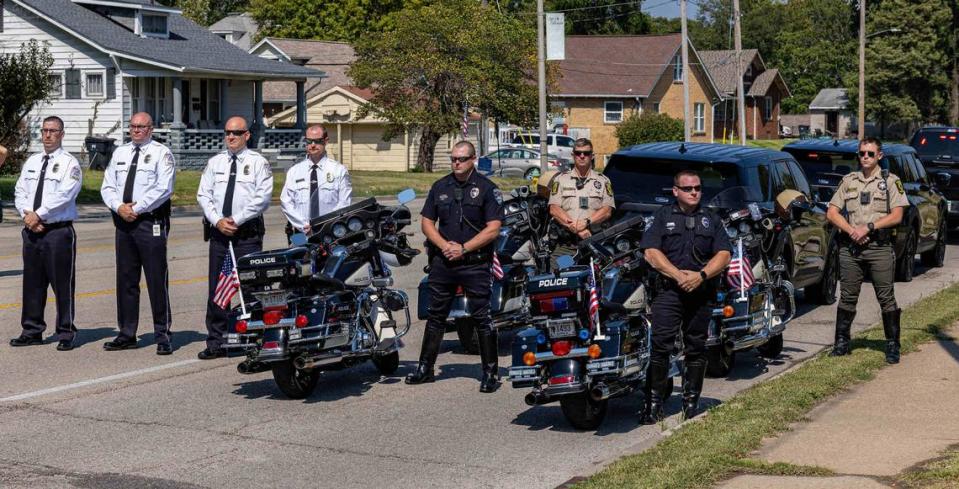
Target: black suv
642	178
923	228
938	149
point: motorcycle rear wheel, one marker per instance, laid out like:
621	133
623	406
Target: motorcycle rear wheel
582	411
771	348
387	364
720	361
469	338
296	384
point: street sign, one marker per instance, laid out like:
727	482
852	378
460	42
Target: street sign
555	36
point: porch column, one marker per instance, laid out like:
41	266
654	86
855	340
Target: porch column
257	112
177	103
300	105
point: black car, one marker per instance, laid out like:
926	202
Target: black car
938	149
923	227
642	178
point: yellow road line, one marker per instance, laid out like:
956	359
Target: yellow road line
85	249
98	293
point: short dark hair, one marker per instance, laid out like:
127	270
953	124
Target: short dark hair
685	173
579	143
468	144
54	118
871	140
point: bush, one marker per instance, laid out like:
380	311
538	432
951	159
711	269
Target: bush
648	127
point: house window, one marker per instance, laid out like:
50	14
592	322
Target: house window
613	112
134	95
161	101
699	117
656	107
678	68
153	25
768	109
56	84
150	97
95	84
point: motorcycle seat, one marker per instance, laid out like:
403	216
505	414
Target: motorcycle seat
324	281
612	306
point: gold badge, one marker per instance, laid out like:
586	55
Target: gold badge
246	170
329	177
555	189
56	166
146	159
899	186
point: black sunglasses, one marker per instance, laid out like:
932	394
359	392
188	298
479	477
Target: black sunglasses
690	188
460	159
229	132
583	153
315	141
871	154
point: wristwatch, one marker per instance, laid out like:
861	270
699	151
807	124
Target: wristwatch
871	226
588	222
702	273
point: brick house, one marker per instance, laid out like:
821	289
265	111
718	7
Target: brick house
604	79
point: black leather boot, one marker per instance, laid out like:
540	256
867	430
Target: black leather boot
432	339
693	386
656	395
489	356
843	327
890	325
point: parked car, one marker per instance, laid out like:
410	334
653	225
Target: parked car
923	228
642	178
519	162
559	144
938	149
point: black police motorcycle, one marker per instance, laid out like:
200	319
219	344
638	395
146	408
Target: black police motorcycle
569	356
524	218
753	316
326	302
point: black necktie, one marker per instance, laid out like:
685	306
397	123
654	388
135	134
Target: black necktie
131	177
38	197
228	198
314	195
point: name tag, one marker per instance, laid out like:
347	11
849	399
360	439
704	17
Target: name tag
156	230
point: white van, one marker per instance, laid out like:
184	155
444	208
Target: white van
559	144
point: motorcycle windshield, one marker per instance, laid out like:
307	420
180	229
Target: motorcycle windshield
734	198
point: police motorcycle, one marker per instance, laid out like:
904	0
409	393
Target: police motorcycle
756	301
325	303
524	219
590	336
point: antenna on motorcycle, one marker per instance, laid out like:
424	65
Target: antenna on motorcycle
682	148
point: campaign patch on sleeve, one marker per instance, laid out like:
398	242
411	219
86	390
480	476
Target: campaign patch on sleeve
555	189
899	187
609	188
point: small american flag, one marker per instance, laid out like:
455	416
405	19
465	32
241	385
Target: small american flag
740	272
464	124
497	268
593	298
228	284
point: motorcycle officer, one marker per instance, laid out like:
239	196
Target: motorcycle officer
688	246
468	207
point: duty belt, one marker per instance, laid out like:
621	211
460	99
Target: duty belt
469	259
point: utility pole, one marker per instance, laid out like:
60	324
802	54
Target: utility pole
740	92
541	76
682	15
862	69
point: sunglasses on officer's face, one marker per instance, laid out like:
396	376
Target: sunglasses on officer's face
690	188
230	132
871	154
460	159
582	153
320	141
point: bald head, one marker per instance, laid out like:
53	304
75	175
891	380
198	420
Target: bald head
237	134
141	127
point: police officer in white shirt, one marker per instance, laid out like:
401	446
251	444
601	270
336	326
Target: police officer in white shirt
235	191
319	176
46	195
137	186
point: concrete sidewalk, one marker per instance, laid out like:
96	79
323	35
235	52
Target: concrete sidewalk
872	434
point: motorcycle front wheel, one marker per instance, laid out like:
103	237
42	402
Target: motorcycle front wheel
582	411
720	361
771	348
296	384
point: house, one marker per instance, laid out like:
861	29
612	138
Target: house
604	79
357	142
829	113
330	57
238	28
764	88
113	58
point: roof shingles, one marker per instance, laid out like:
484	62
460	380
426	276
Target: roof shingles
627	66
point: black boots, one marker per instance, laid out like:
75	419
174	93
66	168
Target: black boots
693	386
656	395
843	327
489	358
432	339
890	325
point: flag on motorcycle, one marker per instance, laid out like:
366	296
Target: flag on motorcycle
739	275
593	298
497	268
227	285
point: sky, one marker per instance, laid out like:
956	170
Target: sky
669	9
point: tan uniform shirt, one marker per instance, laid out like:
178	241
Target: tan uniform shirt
580	204
865	200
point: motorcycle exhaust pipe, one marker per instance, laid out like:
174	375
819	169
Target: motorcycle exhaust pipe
248	367
599	392
536	398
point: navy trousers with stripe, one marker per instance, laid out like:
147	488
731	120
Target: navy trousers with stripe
49	260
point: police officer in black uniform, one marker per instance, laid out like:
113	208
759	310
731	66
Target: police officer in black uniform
468	207
688	246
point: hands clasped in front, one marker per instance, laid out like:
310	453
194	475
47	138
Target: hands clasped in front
689	280
860	235
454	251
577	227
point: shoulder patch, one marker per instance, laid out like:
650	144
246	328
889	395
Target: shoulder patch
75	173
609	188
497	195
554	188
899	186
168	159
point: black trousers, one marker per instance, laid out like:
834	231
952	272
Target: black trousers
137	248
49	260
216	318
675	311
476	281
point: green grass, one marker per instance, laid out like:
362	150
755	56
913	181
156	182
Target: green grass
700	454
365	184
940	473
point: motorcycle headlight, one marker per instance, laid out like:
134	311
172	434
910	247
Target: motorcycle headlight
622	245
355	224
732	232
744	227
339	230
512	207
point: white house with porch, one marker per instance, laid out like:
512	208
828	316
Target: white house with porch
113	58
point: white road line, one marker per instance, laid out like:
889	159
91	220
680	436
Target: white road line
101	380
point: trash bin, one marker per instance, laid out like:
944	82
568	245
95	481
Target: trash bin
100	150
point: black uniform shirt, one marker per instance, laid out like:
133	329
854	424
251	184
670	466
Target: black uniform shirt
689	241
462	209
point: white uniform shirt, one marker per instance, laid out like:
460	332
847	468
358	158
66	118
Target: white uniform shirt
334	190
251	194
154	179
62	183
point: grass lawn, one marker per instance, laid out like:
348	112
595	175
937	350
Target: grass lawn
701	453
365	184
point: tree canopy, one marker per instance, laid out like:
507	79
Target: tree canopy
342	20
24	82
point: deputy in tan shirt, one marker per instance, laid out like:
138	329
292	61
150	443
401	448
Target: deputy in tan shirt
866	207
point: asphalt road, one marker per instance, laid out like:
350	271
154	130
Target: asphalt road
91	418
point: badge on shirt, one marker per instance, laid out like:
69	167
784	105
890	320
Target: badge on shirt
705	222
609	188
146	159
670	226
882	185
597	184
474	192
899	186
246	170
56	167
498	196
329	178
443	197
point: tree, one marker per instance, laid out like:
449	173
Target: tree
24	82
206	12
761	20
344	20
649	127
435	59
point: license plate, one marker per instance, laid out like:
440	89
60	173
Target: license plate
559	328
272	299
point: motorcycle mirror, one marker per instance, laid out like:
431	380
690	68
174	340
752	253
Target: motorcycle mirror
943	179
564	261
298	239
405	196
